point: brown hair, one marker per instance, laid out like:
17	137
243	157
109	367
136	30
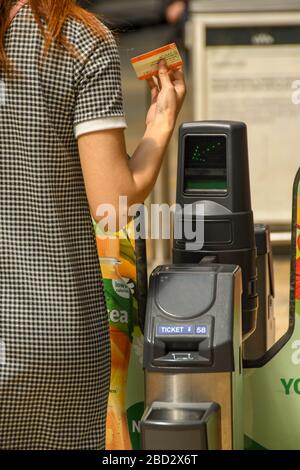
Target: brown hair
55	13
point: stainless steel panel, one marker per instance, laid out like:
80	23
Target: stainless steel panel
194	388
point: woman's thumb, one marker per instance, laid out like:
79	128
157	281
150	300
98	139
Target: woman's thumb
163	73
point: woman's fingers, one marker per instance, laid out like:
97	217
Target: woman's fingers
153	88
179	82
163	74
177	78
151	83
171	75
167	78
157	82
179	75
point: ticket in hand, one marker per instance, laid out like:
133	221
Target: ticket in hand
146	65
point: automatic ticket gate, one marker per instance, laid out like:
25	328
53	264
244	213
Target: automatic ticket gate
193	358
217	296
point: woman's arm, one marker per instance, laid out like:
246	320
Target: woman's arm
108	173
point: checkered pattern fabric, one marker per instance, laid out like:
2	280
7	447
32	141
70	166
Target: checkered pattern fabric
55	354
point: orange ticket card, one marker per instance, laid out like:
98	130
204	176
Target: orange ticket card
146	65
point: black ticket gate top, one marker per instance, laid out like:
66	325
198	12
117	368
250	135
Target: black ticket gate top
193	318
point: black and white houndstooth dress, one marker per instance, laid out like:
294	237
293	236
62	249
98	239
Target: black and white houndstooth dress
54	343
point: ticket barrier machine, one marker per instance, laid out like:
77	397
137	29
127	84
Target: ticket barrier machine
203	309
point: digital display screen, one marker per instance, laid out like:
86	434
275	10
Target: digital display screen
205	163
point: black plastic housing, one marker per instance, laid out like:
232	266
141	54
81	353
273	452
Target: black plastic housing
193	319
228	218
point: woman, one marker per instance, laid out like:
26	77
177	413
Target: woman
62	155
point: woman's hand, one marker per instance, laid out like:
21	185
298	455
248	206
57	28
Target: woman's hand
167	95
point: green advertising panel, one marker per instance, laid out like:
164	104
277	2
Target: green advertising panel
272	392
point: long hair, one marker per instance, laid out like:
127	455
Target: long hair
54	13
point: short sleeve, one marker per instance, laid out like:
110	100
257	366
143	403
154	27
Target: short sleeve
99	100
